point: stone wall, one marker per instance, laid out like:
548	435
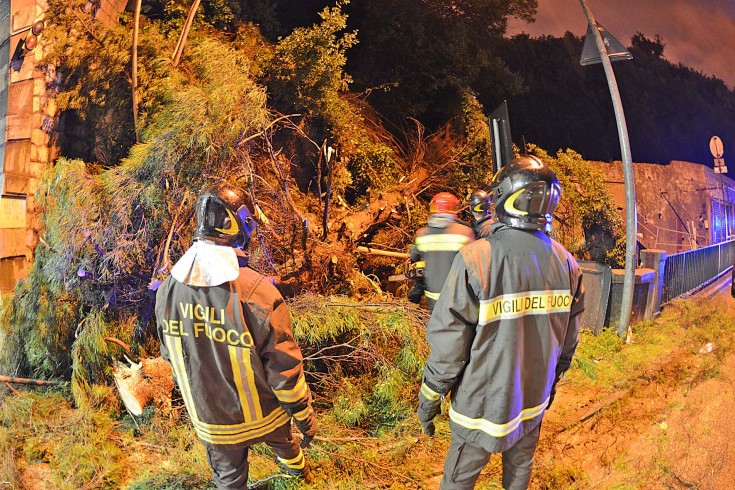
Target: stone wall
674	201
27	147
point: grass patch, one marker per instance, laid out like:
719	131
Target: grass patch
364	365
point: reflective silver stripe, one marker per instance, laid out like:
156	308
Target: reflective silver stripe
429	393
509	306
441	242
430	295
497	430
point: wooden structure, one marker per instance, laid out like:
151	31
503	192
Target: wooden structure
24	148
28	117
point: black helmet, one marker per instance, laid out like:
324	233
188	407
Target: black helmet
223	216
479	202
526	193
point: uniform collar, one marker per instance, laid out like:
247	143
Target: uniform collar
440	220
207	264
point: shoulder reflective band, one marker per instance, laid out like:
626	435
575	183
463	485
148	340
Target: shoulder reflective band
441	242
516	305
510	204
497	430
430	295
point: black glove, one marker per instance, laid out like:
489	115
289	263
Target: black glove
307	428
306	441
415	294
426	412
551	396
430	404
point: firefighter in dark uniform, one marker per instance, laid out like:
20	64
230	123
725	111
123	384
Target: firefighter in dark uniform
482	219
227	333
503	332
436	244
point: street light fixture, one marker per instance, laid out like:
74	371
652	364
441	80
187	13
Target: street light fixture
631	221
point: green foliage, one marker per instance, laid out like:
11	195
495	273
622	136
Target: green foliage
220	14
307	75
79	445
94	86
594	348
365	364
587	222
475	167
688	325
416	57
121	227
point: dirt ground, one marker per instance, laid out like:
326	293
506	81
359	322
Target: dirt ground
648	436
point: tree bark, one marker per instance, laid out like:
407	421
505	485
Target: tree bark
185	33
139	385
136	28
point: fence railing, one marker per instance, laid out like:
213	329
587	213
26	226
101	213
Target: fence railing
686	271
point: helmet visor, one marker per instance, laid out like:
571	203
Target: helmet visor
533	199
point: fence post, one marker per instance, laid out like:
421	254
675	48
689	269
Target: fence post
656	260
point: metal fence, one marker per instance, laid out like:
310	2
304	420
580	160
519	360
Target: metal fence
687	271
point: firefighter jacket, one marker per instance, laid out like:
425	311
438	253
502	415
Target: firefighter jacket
436	244
502	333
482	227
234	357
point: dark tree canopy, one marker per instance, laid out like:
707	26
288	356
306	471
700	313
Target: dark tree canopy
415	57
671	110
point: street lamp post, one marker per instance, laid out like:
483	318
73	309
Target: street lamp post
631	221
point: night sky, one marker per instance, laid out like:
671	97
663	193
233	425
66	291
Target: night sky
697	33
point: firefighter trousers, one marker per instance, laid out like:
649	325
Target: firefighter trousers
230	466
465	462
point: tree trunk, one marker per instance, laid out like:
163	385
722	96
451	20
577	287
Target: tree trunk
185	33
139	385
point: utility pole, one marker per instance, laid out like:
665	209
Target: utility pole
631	220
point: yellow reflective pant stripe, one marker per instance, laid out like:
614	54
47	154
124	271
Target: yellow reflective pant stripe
493	429
297	463
430	295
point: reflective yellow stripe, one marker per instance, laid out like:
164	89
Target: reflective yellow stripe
303	415
429	393
173	344
497	430
270	423
297	462
243	426
295	394
247	391
441	242
430	295
509	306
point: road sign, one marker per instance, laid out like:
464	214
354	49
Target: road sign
719	162
715	147
615	49
721	169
